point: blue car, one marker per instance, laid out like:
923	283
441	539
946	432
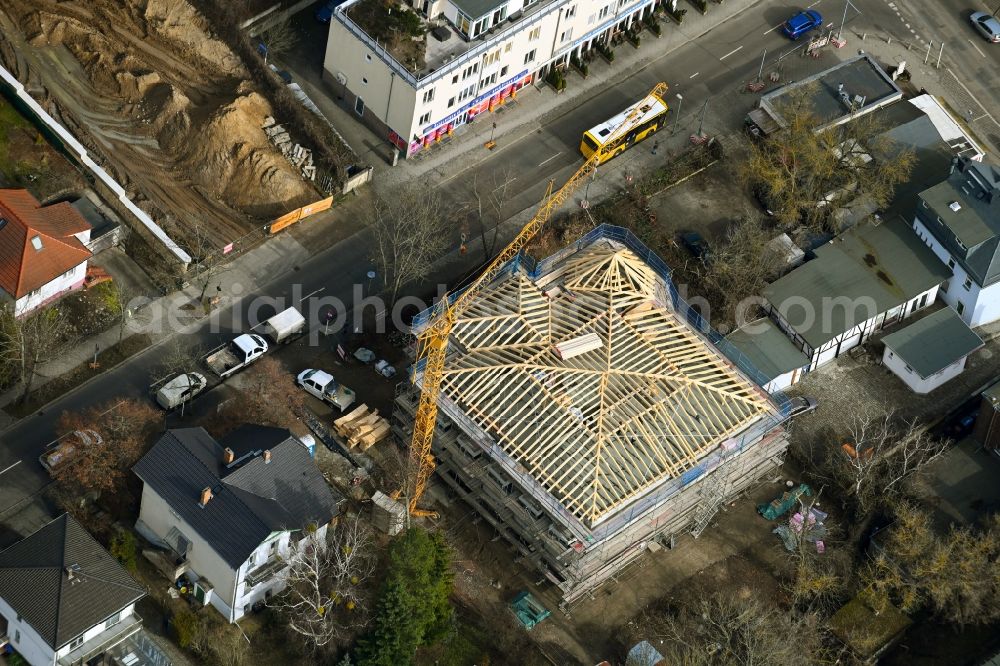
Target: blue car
802	23
324	13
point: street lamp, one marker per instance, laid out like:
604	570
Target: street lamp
371	276
677	116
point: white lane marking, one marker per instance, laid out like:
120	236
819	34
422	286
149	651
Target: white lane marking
973	45
550	159
11	467
731	52
814	4
774	28
694	75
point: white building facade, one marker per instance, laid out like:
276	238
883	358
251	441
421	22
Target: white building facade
494	48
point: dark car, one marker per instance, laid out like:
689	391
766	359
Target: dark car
802	23
324	13
696	245
800	406
988	26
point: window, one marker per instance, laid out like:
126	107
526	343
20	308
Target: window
468	92
488	81
967	284
571	12
113	620
77	642
364	80
566	35
960	307
359	106
923	203
507	47
36	242
951	263
529	56
535	33
908	368
604	12
425	118
959	243
451	102
454	79
503	70
17	635
479	27
368	57
429	95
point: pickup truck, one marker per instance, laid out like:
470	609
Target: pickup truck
236	354
284	326
323	386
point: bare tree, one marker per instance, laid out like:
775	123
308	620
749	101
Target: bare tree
279	38
721	629
29	341
802	168
487	207
410	233
325	595
883	453
740	268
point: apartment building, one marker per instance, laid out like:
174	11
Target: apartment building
476	55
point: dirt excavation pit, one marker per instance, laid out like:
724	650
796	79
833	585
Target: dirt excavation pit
165	106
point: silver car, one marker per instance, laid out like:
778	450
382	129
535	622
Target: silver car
987	25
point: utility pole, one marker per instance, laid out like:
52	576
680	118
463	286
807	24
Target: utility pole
701	123
677	116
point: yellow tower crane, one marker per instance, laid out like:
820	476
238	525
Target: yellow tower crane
432	342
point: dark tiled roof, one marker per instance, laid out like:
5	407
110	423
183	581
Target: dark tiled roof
33	580
23	268
251	499
933	343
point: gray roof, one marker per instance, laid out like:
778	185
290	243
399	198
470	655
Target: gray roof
874	267
476	9
859	75
767	348
34	581
934	342
251	498
976	224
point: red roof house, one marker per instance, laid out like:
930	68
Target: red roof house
42	251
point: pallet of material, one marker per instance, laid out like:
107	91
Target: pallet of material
370	439
340	425
348	429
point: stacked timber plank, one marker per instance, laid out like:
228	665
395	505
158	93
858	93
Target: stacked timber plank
362	428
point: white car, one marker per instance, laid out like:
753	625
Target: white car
64	447
181	389
322	385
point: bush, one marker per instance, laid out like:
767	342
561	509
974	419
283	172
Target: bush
701	5
556	79
679	15
653	24
124	549
606	51
186	628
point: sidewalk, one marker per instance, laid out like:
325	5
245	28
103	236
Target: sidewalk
241	277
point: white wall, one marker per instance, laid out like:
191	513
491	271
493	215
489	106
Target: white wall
562	28
204	561
248	596
917	383
978	306
96	630
781	382
26	640
69	280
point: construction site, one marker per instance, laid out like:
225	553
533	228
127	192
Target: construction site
586	414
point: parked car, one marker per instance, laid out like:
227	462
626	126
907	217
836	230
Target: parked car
322	385
63	449
987	25
800	406
801	23
181	389
324	13
696	245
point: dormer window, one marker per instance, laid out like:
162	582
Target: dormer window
36	242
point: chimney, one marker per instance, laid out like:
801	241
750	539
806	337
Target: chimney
267	457
228	456
206	495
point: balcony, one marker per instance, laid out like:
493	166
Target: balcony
103	642
266	571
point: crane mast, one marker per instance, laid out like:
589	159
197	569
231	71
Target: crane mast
432	342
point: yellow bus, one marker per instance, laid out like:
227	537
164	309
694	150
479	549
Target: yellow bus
654	116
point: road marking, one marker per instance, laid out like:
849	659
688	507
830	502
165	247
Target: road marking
694	75
550	159
774	28
11	467
731	52
814	4
973	45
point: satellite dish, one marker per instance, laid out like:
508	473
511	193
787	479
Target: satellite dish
341	79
